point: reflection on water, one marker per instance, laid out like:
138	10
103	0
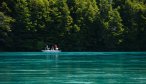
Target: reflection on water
73	68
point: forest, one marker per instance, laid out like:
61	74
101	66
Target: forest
74	25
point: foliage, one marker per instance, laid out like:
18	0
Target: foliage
74	25
5	28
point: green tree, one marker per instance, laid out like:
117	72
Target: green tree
111	24
134	22
22	24
39	16
75	25
84	14
5	29
60	23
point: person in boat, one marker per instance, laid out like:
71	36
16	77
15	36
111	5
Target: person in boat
47	48
52	48
56	47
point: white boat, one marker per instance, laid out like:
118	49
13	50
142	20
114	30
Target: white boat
51	50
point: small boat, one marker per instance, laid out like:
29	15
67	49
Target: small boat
51	50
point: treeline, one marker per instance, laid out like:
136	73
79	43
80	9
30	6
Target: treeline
74	25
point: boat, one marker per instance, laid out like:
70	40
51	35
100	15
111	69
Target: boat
53	49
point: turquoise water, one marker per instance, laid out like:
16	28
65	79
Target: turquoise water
73	68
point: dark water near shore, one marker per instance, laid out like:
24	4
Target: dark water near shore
73	68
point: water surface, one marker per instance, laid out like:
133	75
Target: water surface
73	68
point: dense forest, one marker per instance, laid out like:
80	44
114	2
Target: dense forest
74	25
